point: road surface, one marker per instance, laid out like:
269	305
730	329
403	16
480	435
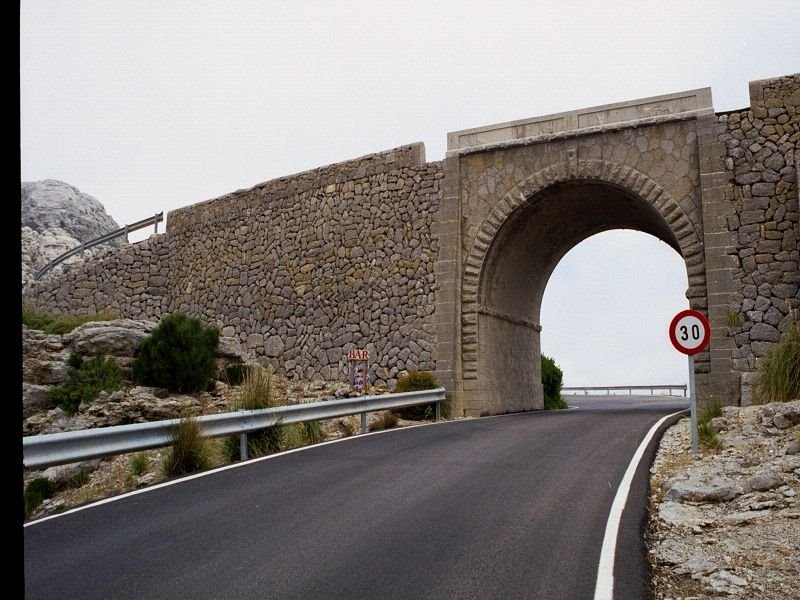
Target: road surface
504	507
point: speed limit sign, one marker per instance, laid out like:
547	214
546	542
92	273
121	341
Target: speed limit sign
689	331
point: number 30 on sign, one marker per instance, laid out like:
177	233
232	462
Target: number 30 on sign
689	332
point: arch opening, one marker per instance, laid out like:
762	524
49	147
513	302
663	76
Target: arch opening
517	266
607	308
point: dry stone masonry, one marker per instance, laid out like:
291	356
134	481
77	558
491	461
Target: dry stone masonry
442	265
761	155
300	269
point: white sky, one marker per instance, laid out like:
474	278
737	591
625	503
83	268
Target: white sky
149	106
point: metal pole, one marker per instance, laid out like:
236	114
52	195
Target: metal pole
438	410
363	422
126	233
155	223
243	446
693	404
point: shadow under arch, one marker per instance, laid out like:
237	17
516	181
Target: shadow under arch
516	250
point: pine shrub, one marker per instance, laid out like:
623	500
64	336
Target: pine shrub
177	355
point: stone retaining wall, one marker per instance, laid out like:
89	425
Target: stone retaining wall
761	156
300	269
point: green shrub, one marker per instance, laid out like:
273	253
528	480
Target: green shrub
416	381
36	492
177	355
189	451
778	373
60	324
86	380
552	380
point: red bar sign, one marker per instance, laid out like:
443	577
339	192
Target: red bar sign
357	355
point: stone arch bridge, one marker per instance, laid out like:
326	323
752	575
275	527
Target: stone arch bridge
443	265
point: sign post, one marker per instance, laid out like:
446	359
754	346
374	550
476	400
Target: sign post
689	332
358	362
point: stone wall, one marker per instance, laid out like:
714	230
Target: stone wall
131	281
300	269
761	154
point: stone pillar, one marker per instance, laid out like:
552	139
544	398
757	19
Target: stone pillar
447	228
716	377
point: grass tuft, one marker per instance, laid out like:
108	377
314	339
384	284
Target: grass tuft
190	451
36	492
138	464
778	373
707	435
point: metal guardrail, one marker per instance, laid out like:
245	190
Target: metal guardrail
122	231
630	388
75	446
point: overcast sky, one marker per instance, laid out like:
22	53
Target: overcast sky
149	106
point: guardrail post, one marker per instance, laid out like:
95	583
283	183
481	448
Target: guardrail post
126	233
155	222
243	446
363	422
438	411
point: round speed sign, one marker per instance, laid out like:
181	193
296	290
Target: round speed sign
689	331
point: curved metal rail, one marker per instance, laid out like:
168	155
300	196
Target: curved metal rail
121	232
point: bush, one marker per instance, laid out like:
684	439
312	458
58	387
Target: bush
190	451
86	380
36	492
416	381
552	380
177	355
778	373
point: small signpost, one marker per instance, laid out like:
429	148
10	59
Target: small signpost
358	362
689	332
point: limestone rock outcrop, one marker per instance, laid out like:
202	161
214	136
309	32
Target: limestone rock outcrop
56	217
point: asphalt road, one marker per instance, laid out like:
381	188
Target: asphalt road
506	507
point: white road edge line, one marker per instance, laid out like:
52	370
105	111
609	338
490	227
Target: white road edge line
604	588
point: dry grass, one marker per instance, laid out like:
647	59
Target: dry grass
778	378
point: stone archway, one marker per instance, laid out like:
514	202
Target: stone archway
515	251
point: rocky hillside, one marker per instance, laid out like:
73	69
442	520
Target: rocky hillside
56	217
726	523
